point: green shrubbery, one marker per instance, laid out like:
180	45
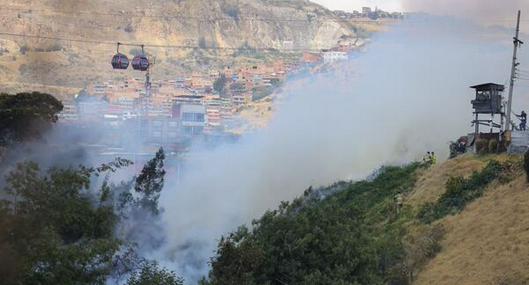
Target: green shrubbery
56	227
459	192
347	233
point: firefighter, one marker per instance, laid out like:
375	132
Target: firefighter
433	159
426	159
399	201
523	121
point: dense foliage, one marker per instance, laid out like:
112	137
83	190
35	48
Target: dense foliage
460	191
349	233
26	116
152	274
60	227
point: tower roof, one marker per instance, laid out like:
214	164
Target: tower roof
488	86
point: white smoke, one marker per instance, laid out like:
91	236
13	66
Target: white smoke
487	12
406	95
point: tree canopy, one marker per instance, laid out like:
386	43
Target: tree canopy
58	226
26	116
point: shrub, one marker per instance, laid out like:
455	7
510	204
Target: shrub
493	146
129	28
232	11
340	234
24	49
420	246
459	192
482	146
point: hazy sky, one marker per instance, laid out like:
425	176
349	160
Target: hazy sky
487	12
388	5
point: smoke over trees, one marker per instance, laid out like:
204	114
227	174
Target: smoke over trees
59	226
348	233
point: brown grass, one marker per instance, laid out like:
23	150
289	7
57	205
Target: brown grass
431	183
488	243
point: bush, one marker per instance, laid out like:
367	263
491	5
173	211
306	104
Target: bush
153	274
482	146
459	192
493	146
340	234
421	246
129	28
24	49
232	11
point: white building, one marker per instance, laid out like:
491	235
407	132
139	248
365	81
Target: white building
334	56
192	119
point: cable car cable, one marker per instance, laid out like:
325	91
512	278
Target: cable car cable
101	42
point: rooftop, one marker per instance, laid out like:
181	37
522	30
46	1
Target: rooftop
488	86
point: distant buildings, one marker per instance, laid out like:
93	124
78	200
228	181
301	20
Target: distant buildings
332	56
366	11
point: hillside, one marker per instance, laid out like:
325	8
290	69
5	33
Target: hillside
488	242
233	24
461	222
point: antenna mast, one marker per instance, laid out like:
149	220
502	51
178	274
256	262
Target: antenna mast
515	63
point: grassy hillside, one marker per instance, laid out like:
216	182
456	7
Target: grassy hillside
461	222
488	242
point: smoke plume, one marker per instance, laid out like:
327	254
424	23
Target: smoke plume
407	94
487	12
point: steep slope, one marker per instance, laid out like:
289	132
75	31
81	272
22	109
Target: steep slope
488	242
232	24
431	183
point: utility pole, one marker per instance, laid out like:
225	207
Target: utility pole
515	63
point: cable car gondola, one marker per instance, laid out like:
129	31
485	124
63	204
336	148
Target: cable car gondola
119	60
140	62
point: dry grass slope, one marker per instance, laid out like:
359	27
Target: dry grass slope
488	243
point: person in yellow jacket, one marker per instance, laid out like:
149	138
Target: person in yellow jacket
433	158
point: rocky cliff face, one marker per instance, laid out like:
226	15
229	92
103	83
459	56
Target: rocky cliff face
232	24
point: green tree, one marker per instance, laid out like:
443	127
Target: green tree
149	183
54	227
152	274
343	234
220	84
26	116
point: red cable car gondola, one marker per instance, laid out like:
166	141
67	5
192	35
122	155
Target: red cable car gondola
140	62
119	60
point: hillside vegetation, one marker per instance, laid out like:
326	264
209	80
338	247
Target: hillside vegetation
488	242
461	222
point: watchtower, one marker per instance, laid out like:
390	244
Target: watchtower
488	101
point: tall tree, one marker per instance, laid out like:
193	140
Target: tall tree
26	116
150	182
54	228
